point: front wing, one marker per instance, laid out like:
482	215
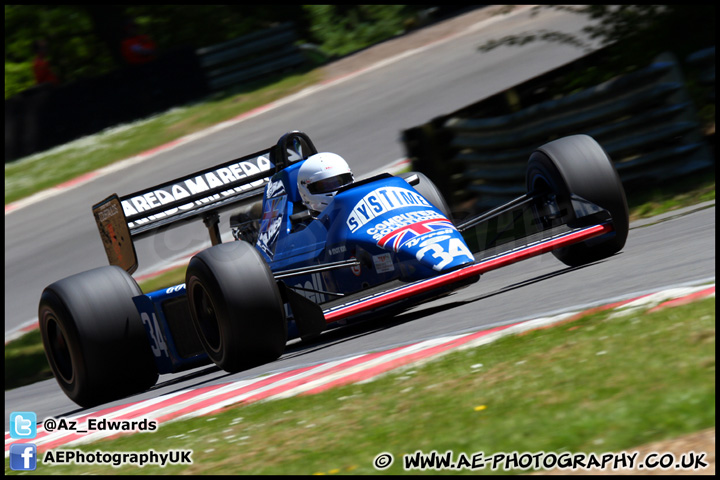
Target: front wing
456	278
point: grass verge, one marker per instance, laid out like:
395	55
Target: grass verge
680	193
603	383
25	361
50	168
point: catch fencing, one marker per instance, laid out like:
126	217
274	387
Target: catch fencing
645	120
45	116
250	57
702	64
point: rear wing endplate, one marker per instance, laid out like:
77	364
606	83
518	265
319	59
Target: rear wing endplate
115	233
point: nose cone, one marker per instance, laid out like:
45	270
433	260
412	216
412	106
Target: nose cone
388	214
435	243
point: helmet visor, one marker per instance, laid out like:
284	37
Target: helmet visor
330	184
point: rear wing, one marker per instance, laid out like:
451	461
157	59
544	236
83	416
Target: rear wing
189	197
201	195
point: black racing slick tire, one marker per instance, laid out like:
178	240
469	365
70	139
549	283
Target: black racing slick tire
578	165
94	338
427	189
236	306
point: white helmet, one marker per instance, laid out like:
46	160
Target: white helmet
320	177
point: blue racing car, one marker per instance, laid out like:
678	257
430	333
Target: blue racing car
313	246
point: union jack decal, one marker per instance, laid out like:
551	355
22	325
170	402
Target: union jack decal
397	238
273	209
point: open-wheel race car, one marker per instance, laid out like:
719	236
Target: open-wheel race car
312	247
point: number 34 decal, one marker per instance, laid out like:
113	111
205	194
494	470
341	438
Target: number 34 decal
456	248
157	340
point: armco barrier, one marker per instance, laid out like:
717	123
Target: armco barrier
644	120
46	116
249	57
704	63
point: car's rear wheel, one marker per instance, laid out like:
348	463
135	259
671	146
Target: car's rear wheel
236	306
578	165
93	336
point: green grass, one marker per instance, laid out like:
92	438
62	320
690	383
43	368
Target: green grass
602	383
683	192
25	361
47	169
170	278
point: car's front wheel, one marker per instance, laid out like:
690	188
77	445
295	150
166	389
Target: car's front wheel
578	165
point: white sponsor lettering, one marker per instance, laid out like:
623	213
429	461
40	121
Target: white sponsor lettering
164	196
140	203
391	224
151	200
249	168
197	185
263	163
191	186
380	201
434	236
226	175
178	192
312	290
274	189
175	289
213	181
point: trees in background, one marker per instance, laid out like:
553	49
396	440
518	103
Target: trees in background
633	34
84	40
